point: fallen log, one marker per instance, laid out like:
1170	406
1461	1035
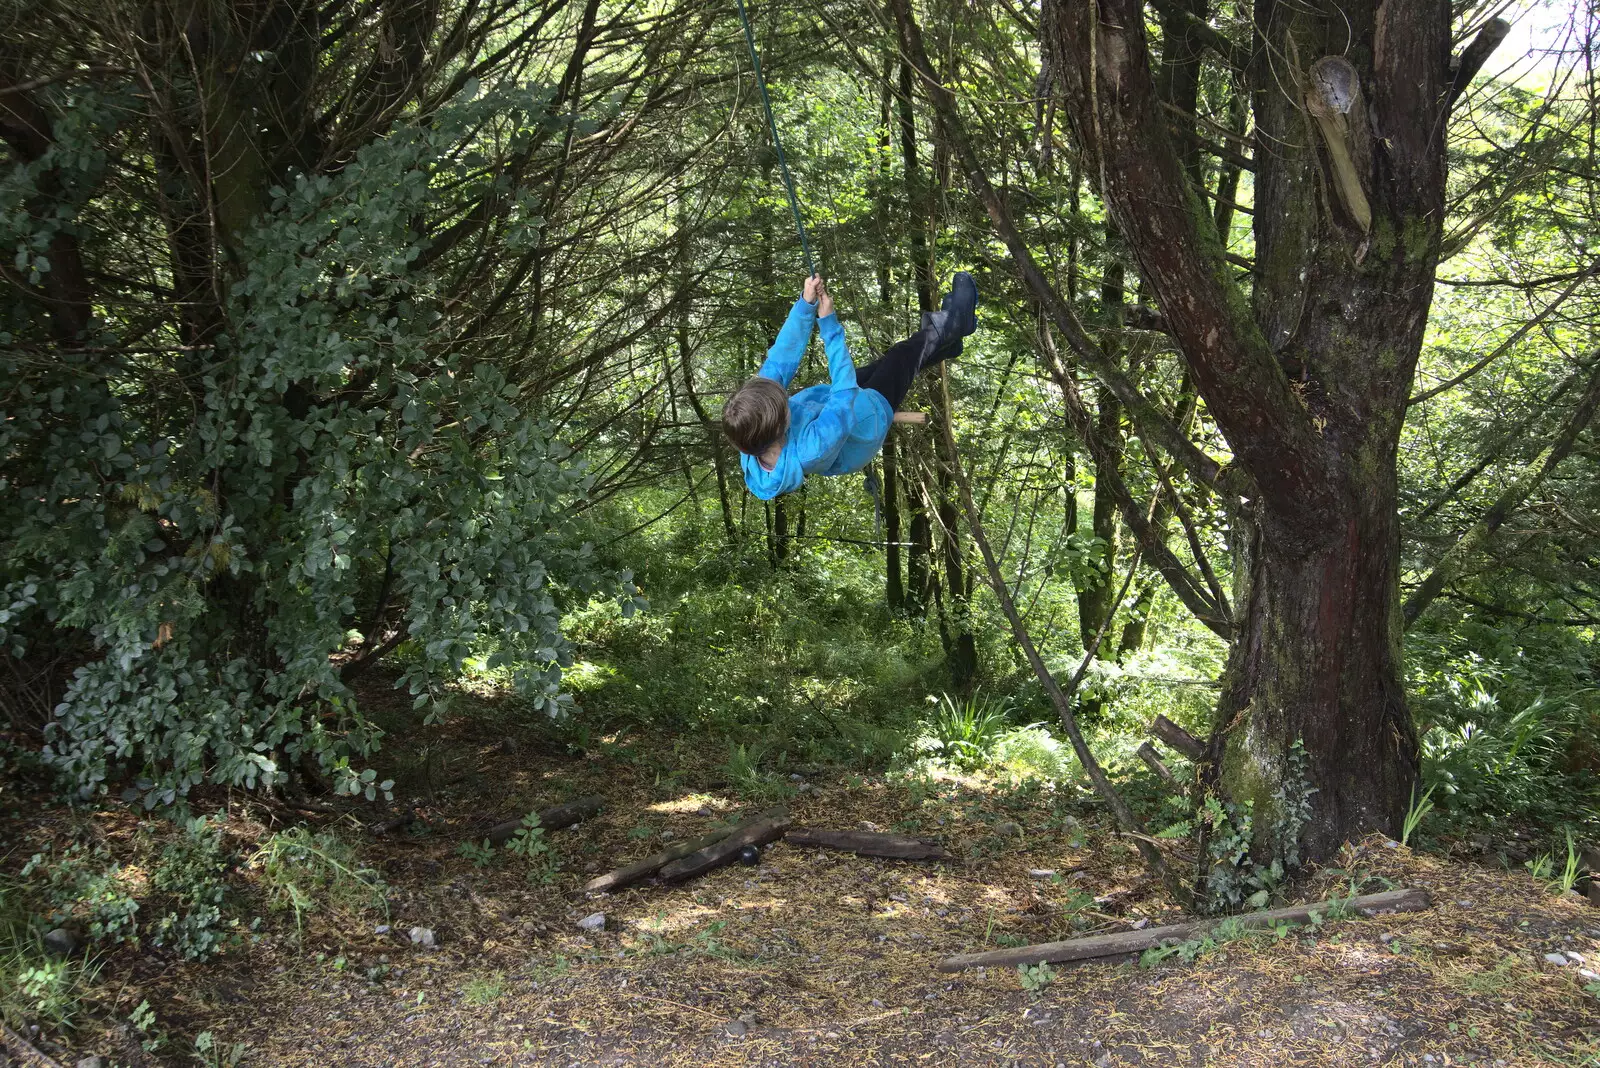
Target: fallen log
717	854
1126	943
1177	737
553	818
625	876
1153	761
867	844
394	823
26	1053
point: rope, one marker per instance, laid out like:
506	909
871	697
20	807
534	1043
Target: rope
875	491
777	143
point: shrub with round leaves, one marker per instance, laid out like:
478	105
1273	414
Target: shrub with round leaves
337	473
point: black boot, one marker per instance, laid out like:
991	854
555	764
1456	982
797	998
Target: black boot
961	304
956	318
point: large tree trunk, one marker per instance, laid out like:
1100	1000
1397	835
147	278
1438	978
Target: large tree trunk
1307	376
1317	663
1306	372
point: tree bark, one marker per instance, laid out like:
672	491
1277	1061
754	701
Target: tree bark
894	572
1095	602
920	577
1147	753
714	439
961	647
1178	738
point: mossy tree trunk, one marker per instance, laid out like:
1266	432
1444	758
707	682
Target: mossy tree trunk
1306	373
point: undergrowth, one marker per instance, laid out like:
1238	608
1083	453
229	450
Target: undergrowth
304	871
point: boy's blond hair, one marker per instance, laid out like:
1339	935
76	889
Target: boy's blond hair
756	415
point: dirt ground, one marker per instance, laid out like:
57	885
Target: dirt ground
812	957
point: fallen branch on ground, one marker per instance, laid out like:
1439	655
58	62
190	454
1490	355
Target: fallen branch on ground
612	881
717	854
867	844
25	1052
394	823
553	818
1126	943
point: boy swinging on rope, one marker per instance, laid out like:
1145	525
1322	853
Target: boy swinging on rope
834	428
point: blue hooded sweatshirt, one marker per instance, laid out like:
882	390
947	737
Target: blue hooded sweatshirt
834	429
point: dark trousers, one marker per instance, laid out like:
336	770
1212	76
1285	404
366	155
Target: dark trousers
891	373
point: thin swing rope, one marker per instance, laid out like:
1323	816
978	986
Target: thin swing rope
799	224
777	142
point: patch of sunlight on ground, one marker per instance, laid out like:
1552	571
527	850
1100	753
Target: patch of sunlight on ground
673	920
688	805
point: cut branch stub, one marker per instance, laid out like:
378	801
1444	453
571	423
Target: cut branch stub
1333	96
1475	54
1147	753
1177	738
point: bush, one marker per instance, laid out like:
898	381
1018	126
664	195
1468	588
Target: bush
217	528
34	985
964	731
1505	718
808	660
1032	752
84	887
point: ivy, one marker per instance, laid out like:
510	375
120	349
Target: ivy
1234	875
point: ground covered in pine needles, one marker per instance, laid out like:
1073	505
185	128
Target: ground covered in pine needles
811	957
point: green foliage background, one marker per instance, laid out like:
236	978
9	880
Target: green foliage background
435	389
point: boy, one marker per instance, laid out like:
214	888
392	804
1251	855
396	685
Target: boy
837	428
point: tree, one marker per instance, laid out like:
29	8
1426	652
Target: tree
280	355
1307	370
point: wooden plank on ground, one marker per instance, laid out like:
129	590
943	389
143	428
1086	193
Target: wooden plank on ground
758	833
867	844
1123	943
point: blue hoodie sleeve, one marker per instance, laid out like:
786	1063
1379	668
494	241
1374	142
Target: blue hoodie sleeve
822	439
783	358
